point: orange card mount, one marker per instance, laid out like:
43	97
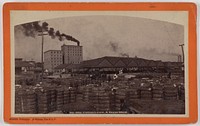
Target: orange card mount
97	63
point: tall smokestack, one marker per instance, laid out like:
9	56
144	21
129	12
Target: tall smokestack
78	43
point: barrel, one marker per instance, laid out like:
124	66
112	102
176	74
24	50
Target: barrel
60	98
157	92
18	101
79	97
170	92
52	101
72	95
66	96
43	100
146	91
87	93
133	94
29	102
104	101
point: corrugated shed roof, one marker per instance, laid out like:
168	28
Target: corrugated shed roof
91	63
132	64
127	60
120	63
141	62
109	61
116	62
112	60
104	63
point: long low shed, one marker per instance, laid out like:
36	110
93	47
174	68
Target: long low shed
121	62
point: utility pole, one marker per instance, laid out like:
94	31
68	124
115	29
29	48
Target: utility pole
42	52
182	51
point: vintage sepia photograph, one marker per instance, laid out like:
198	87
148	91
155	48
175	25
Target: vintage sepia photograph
103	62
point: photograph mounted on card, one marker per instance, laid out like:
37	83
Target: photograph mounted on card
100	63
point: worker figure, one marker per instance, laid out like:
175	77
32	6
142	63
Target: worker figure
124	106
114	90
115	76
169	75
109	78
121	72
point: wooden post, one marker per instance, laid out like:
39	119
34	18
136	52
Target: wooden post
42	53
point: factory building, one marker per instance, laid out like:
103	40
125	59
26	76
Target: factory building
72	54
69	54
52	58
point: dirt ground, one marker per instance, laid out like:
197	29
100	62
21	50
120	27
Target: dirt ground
159	106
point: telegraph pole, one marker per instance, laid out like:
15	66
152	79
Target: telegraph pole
182	51
183	57
42	52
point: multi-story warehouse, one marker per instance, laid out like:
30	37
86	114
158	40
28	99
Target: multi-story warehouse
52	58
72	54
69	54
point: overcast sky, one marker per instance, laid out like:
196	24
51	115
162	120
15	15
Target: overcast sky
108	36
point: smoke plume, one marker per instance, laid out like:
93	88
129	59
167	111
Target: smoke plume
124	54
117	49
33	28
114	46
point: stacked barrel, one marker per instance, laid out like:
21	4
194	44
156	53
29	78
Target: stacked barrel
60	98
116	98
133	94
146	91
72	95
113	101
157	92
18	99
170	92
87	94
94	97
121	94
181	92
66	95
30	102
79	97
52	100
106	96
25	102
43	99
103	100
